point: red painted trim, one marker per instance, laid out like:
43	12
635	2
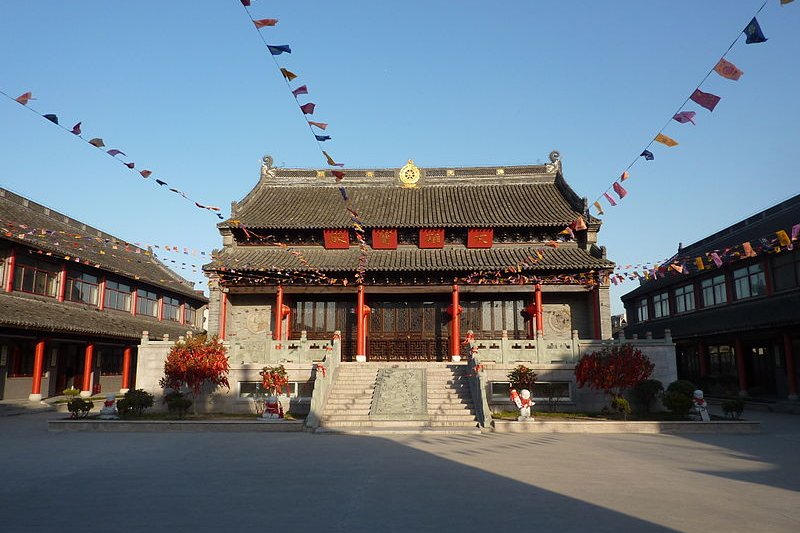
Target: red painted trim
384	239
62	283
38	367
278	329
791	376
539	313
101	304
336	239
741	368
223	312
87	367
126	367
11	265
455	324
480	237
431	238
360	314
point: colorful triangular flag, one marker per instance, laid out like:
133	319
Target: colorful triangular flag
76	129
707	100
263	23
300	90
97	142
24	98
663	139
726	69
599	208
288	74
308	108
620	190
754	33
648	155
610	199
322	138
51	117
278	49
684	116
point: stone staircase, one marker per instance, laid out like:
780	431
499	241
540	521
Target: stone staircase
448	401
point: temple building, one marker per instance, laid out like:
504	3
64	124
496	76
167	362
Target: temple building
411	266
733	310
75	302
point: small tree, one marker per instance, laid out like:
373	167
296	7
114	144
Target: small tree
613	370
522	377
194	362
274	380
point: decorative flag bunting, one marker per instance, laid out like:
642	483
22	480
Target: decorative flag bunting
97	142
114	152
300	90
339	175
610	199
130	165
330	160
145	173
51	117
278	49
599	208
24	98
263	23
288	74
320	125
754	33
246	3
162	183
624	176
726	69
685	116
76	129
784	2
308	108
783	238
343	192
707	100
663	139
620	190
322	138
648	155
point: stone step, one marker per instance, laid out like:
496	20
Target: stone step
355	401
425	430
396	423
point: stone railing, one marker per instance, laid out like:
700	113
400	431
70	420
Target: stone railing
538	350
297	351
478	384
324	378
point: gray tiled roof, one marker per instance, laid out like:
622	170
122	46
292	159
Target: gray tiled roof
408	258
75	239
50	316
530	196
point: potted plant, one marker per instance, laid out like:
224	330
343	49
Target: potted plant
274	380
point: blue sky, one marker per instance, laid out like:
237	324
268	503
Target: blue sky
187	90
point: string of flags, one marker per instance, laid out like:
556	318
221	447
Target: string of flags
99	143
724	68
307	109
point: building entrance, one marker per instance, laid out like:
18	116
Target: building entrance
407	330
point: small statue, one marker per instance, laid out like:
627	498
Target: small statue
523	402
274	409
109	409
700	406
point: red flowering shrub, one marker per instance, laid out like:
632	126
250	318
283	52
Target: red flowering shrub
274	380
612	370
194	362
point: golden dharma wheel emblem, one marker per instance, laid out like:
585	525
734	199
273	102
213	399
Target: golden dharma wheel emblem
410	174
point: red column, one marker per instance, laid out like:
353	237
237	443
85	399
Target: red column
278	333
539	313
741	369
38	367
134	296
160	308
126	369
62	283
182	313
455	325
703	356
791	375
12	263
223	312
361	341
86	389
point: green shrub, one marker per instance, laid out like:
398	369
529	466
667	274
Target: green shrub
522	377
682	386
134	403
79	408
177	403
71	393
647	391
621	406
677	402
733	408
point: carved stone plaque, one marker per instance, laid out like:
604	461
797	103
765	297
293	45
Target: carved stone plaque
400	394
257	321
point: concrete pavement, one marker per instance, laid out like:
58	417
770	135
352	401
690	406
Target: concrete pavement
244	481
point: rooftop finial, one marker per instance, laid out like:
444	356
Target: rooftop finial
266	167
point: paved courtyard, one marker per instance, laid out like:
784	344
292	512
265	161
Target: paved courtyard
238	482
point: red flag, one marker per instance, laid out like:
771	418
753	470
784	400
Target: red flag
579	224
262	23
338	174
619	190
609	198
320	125
300	90
76	129
707	100
145	173
24	98
308	108
246	3
113	152
130	165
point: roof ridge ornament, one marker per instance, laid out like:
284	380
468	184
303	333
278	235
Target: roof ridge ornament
410	174
555	161
267	170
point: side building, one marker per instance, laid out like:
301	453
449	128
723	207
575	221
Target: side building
75	301
735	321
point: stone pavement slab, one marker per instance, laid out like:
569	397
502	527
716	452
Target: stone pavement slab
64	482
